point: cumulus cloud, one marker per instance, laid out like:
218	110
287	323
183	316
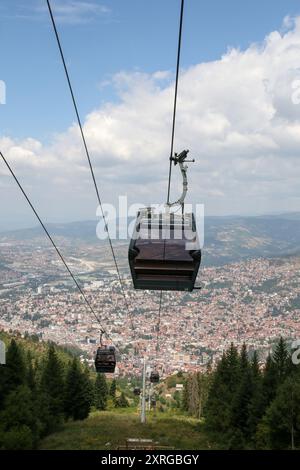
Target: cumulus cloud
237	115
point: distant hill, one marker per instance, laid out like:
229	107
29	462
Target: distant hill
227	239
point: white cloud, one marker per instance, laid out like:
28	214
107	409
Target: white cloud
70	12
236	115
74	11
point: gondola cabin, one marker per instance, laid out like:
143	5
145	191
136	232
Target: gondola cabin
137	391
105	360
154	377
164	252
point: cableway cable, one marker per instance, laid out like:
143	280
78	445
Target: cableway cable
175	98
171	150
89	159
89	305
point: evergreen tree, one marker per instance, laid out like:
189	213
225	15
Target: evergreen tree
224	386
101	392
89	387
280	427
14	373
255	407
121	402
31	377
241	400
19	412
52	386
282	360
113	389
185	395
77	402
244	360
255	367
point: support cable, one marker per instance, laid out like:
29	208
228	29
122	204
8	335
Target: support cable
88	303
88	158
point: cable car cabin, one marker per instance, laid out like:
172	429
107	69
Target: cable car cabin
105	360
164	252
154	377
137	391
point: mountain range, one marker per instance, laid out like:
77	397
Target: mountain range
226	239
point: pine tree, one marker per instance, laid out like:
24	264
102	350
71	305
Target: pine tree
232	369
121	402
255	367
241	400
269	382
51	390
89	387
244	360
280	427
77	403
224	385
282	360
14	373
185	395
19	412
255	406
31	382
113	389
101	392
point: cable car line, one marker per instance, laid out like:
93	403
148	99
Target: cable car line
158	324
175	98
89	159
171	158
103	331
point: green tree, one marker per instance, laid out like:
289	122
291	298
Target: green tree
14	373
113	389
185	396
280	427
224	386
101	392
17	438
122	401
282	360
19	413
51	390
77	403
256	408
31	382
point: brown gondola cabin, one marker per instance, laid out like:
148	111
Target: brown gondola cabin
164	253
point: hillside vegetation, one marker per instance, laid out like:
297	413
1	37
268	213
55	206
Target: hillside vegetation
51	400
110	429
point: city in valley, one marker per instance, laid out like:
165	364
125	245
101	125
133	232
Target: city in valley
253	300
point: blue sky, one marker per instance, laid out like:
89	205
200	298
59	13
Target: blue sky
239	61
130	35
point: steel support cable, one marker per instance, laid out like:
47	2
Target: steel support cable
158	324
103	331
88	158
171	149
175	99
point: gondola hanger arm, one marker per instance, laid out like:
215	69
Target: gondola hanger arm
181	160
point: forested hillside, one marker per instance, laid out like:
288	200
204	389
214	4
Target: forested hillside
41	387
247	405
239	404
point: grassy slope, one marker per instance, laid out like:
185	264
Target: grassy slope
114	427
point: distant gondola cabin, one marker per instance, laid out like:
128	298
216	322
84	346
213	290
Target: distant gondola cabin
105	360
